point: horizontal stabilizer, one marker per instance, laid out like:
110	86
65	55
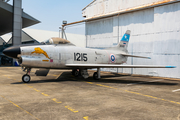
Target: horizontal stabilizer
135	56
116	66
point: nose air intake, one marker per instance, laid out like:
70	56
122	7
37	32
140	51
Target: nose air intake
12	51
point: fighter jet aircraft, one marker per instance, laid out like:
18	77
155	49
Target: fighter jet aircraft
58	53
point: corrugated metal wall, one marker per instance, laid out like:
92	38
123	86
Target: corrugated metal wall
155	32
102	7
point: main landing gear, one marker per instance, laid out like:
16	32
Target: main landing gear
97	74
26	78
75	72
84	73
80	72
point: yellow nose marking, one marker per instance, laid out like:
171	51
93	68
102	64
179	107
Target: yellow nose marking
38	50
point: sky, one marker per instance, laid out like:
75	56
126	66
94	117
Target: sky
51	13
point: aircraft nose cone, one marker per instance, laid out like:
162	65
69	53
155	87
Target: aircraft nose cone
12	51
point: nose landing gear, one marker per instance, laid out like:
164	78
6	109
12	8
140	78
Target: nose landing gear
26	78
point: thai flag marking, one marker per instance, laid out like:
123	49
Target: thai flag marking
112	58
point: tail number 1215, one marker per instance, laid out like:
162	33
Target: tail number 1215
80	57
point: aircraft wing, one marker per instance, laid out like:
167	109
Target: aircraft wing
116	66
128	55
135	56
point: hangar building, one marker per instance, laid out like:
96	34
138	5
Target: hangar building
155	31
12	19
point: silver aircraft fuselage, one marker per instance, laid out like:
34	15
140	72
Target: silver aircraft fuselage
57	56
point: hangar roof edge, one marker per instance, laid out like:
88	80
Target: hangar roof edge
6	11
88	5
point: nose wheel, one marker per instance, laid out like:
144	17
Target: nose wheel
26	78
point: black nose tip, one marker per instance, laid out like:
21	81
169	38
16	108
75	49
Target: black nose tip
12	51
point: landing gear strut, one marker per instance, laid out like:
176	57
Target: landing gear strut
97	74
26	78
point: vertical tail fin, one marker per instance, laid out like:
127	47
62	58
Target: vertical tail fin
123	44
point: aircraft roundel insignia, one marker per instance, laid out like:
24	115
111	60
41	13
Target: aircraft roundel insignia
112	58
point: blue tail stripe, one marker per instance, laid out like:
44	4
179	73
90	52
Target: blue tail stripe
125	37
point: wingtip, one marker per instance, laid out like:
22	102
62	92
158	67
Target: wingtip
149	58
170	66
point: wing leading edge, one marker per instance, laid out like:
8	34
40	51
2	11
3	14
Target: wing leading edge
135	56
116	66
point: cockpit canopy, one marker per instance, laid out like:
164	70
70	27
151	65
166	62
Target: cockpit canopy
56	40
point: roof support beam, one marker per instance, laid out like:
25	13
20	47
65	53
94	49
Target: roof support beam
17	22
125	11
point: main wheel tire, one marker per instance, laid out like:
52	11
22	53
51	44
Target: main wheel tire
26	78
75	73
95	76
